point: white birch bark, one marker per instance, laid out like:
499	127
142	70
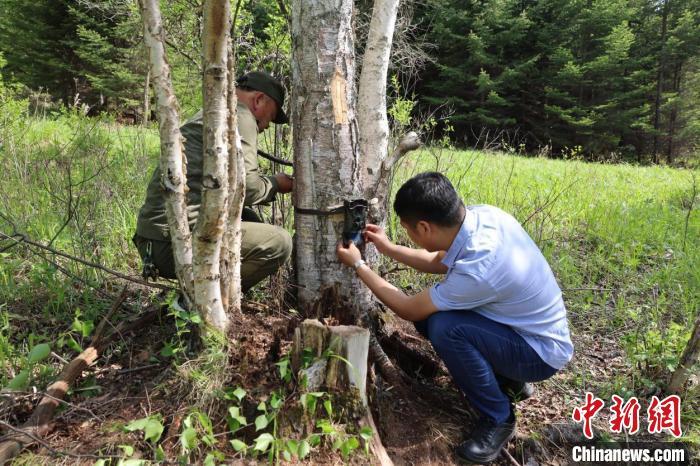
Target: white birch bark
231	247
372	118
212	216
326	155
371	106
173	164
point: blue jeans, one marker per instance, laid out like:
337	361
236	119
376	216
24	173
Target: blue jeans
477	350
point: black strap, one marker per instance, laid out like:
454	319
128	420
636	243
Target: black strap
333	211
272	158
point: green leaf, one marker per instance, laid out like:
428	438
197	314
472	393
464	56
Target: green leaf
238	445
283	367
262	407
348	446
286	455
160	454
153	430
239	393
366	432
138	424
235	413
188	439
314	440
328	407
205	421
293	446
304	449
39	353
260	422
127	449
275	401
325	426
263	442
72	344
20	381
132	462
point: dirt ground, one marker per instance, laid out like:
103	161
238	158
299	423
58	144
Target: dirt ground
420	423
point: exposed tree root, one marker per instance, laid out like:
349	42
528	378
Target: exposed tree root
412	360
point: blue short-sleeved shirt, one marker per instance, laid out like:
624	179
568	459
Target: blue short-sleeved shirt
495	269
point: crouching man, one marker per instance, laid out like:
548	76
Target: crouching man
497	319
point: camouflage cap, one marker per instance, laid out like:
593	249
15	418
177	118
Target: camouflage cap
263	82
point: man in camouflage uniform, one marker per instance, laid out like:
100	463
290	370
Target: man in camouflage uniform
264	247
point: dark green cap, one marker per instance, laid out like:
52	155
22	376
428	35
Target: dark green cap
263	82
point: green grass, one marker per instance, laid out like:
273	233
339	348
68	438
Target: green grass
615	235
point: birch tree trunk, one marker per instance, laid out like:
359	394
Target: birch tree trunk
326	155
371	107
231	247
338	155
173	164
212	216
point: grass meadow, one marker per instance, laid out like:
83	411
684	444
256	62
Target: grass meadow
622	240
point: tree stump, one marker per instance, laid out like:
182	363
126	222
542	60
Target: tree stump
340	364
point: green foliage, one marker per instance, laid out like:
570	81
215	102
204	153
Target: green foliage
566	73
36	355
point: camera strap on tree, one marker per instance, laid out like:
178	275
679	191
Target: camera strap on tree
355	213
272	158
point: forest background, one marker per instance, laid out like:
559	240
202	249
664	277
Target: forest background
595	79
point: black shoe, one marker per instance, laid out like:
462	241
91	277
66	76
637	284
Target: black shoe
486	441
514	390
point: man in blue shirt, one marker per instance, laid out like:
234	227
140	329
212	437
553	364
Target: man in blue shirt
497	319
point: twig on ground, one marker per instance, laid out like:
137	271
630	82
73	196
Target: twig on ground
28	241
59	357
512	460
52	450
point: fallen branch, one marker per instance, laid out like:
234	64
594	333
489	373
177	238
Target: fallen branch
38	424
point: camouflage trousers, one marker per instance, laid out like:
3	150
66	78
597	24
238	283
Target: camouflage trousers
264	248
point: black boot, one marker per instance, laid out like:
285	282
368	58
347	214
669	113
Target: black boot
514	390
486	441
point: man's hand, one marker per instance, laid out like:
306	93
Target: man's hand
285	183
375	234
348	255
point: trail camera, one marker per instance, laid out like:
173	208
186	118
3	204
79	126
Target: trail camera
355	220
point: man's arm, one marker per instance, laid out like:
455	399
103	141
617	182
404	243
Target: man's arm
413	308
419	259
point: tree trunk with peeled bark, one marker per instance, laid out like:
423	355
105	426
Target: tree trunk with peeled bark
212	217
340	153
173	164
326	155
